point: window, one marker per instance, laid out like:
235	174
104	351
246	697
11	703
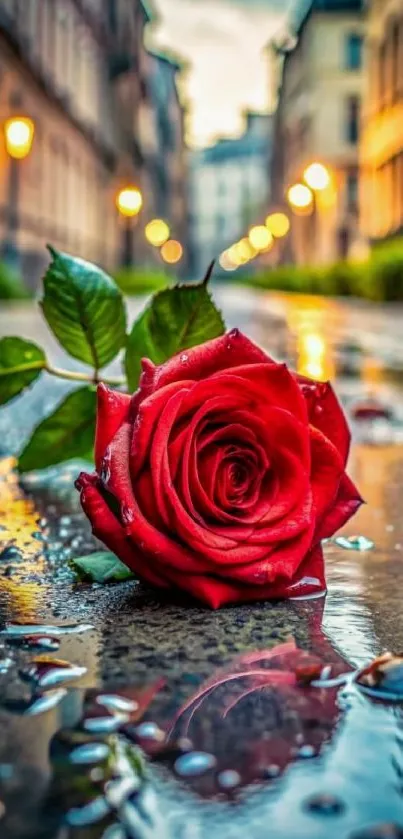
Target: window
352	121
352	191
353	51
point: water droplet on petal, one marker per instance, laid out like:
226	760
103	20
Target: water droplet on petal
184	358
150	731
90	813
120	704
354	543
228	779
324	804
306	751
89	753
194	764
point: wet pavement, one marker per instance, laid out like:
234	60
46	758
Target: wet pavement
238	743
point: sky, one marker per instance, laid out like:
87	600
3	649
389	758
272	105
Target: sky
222	41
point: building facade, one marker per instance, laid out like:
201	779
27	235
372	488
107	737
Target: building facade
318	120
229	190
382	130
73	68
163	141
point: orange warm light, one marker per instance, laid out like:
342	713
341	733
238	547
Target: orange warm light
300	197
172	251
19	135
317	176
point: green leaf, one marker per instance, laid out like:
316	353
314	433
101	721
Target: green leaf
21	363
84	309
68	433
101	567
175	319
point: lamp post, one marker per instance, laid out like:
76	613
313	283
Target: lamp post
18	134
129	202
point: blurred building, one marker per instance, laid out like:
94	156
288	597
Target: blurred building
165	155
76	70
229	189
318	120
382	133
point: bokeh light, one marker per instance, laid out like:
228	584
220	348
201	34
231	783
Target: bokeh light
129	201
19	135
157	232
260	237
278	224
226	263
317	176
300	197
172	251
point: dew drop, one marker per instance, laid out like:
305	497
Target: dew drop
36	642
89	753
90	813
150	731
5	664
103	725
306	751
194	764
184	358
228	779
44	672
354	543
324	804
14	630
36	705
120	704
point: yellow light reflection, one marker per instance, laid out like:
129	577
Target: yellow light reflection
245	251
312	352
129	201
278	224
260	237
19	520
157	232
19	135
317	176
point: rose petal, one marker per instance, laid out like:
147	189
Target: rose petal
326	413
112	410
347	503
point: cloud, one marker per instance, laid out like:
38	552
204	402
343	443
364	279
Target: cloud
223	41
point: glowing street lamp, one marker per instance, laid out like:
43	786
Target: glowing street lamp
317	176
171	251
157	232
19	135
129	201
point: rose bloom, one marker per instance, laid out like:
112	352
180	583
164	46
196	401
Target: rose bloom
221	475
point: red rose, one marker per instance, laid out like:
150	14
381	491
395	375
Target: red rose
221	474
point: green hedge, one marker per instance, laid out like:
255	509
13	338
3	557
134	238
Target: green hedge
11	284
134	281
380	278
